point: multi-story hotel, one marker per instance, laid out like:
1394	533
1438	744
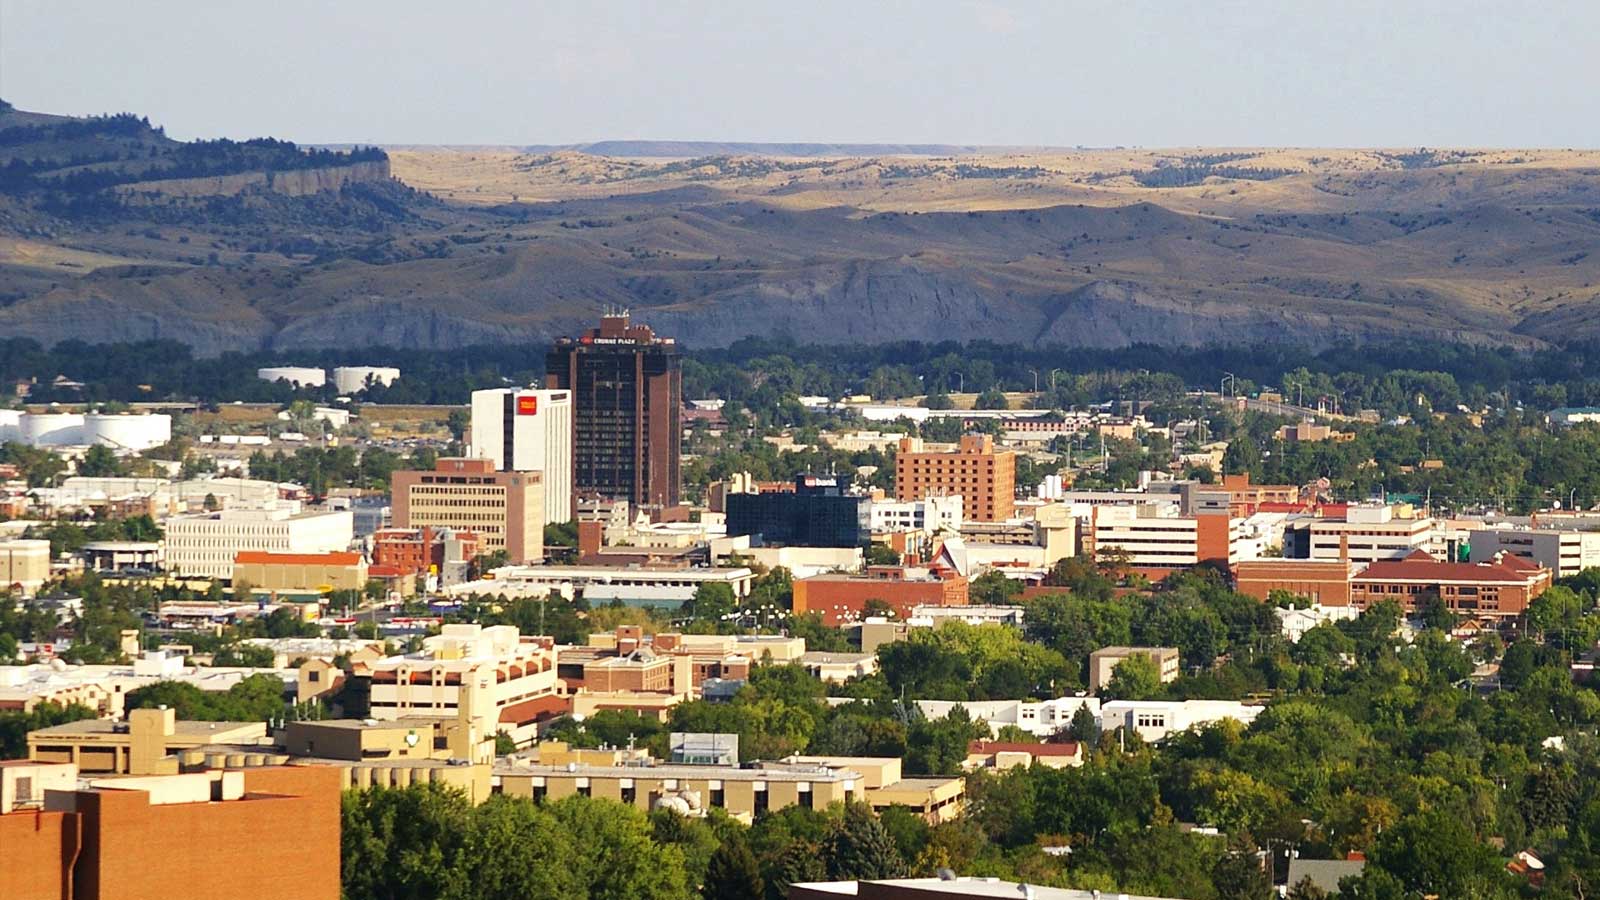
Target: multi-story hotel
984	478
627	409
528	430
505	509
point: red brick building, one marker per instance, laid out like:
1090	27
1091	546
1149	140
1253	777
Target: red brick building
985	478
413	551
842	598
272	835
1501	588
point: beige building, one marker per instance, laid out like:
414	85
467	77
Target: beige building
300	572
743	793
505	509
1103	663
936	799
146	744
492	674
25	563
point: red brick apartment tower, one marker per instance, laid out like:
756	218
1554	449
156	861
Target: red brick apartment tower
627	410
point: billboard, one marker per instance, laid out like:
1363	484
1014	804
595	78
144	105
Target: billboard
527	405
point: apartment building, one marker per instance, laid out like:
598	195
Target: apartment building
267	833
496	674
528	430
205	545
505	509
985	478
1365	533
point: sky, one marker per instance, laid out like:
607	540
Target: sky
1152	73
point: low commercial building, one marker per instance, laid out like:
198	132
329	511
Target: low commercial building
837	668
443	553
24	564
1499	589
935	799
205	545
146	744
743	792
1153	720
1001	755
300	573
505	509
102	688
1103	663
115	556
602	584
938	889
843	598
268	833
1325	582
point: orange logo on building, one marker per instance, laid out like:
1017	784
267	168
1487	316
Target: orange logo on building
527	406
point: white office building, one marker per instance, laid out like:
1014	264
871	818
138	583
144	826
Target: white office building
929	516
204	545
528	430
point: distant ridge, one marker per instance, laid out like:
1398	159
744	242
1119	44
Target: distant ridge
695	149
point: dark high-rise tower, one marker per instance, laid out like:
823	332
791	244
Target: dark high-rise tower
627	401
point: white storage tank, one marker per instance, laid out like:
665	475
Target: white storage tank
299	376
127	432
10	425
349	379
52	429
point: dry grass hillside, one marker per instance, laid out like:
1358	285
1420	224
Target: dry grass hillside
1073	247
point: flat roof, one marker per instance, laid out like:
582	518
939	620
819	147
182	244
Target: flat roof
686	772
182	728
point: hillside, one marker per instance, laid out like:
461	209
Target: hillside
110	231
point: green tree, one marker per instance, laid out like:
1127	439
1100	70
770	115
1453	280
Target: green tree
99	462
1135	678
859	848
733	873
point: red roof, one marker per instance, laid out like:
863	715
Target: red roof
262	557
1411	569
1068	748
538	709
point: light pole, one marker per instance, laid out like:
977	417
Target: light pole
961	383
1053	379
1227	380
1035	380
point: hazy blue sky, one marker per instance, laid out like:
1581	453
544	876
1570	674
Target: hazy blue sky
1063	72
